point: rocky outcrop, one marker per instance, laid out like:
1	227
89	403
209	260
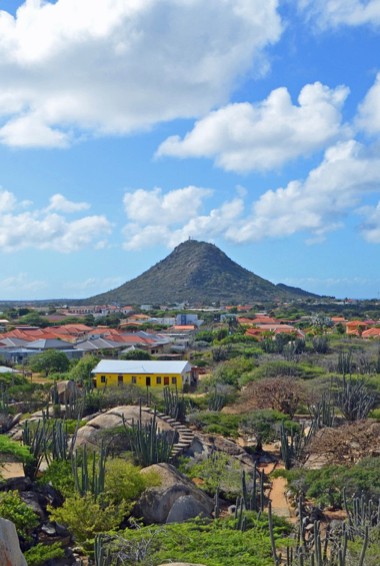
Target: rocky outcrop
156	503
10	552
64	391
89	434
203	445
187	507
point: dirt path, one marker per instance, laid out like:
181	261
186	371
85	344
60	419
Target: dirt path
280	505
11	470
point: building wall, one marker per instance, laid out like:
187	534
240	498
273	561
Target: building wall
142	380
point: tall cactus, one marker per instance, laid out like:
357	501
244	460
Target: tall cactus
149	444
354	399
89	472
61	445
175	406
37	440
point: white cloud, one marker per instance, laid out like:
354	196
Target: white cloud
245	137
333	13
60	203
21	282
155	217
44	229
318	204
154	207
369	111
7	201
121	66
371	224
30	131
314	206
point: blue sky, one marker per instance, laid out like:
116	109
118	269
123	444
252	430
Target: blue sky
128	126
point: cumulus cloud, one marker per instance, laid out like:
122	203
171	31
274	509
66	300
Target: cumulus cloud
155	217
45	229
123	66
60	203
21	282
369	111
333	13
371	224
94	283
155	207
244	137
7	201
318	204
314	206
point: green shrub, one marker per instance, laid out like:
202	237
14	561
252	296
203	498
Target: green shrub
375	414
59	475
125	482
41	553
215	543
11	448
231	371
215	422
15	510
283	369
326	485
218	471
86	518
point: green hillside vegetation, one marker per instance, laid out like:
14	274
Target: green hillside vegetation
197	272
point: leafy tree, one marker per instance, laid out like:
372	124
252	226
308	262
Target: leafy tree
230	372
50	361
263	424
136	354
34	319
81	372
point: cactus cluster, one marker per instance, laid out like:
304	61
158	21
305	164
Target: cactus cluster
89	472
323	412
293	445
149	444
61	443
216	400
36	439
48	439
174	405
315	547
354	399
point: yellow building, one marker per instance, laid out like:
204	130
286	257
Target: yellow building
142	373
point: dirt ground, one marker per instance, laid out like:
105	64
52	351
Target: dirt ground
11	470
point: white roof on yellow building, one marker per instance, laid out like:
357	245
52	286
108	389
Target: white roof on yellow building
142	366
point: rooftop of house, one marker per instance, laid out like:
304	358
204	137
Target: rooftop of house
142	366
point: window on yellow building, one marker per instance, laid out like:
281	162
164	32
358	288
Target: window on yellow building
102	379
120	379
158	380
134	379
174	380
166	381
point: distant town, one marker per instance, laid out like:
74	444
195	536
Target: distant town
168	332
